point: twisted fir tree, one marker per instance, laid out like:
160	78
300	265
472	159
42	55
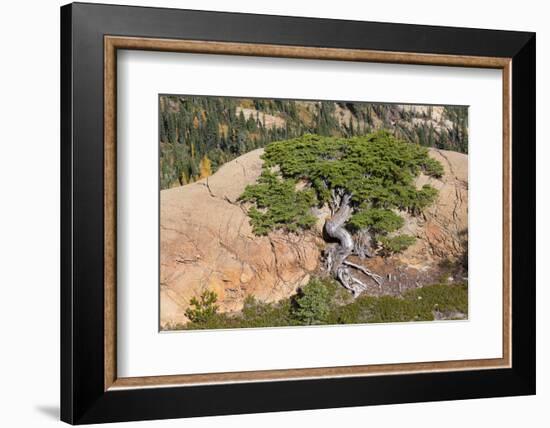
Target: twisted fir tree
365	181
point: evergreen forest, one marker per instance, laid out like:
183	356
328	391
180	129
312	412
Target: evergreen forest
198	134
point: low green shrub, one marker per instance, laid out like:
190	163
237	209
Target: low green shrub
312	304
323	301
441	297
203	309
256	313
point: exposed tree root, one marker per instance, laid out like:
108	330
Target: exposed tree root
336	255
377	278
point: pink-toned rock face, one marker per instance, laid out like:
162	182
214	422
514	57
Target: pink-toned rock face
442	229
206	240
207	243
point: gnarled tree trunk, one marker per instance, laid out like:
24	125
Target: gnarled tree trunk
336	255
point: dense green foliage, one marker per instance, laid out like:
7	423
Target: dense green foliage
195	128
324	302
312	304
417	305
377	170
287	208
376	219
396	244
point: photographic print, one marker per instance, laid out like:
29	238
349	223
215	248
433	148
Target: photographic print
281	212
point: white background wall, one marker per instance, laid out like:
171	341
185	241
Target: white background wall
29	212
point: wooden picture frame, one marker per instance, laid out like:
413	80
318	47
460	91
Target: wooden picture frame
91	390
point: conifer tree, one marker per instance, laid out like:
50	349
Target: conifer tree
367	182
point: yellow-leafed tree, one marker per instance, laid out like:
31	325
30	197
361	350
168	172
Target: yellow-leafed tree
205	167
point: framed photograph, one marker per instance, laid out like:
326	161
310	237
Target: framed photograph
266	213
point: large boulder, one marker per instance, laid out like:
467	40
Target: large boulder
440	252
442	229
207	242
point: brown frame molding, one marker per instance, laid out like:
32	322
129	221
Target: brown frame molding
113	43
